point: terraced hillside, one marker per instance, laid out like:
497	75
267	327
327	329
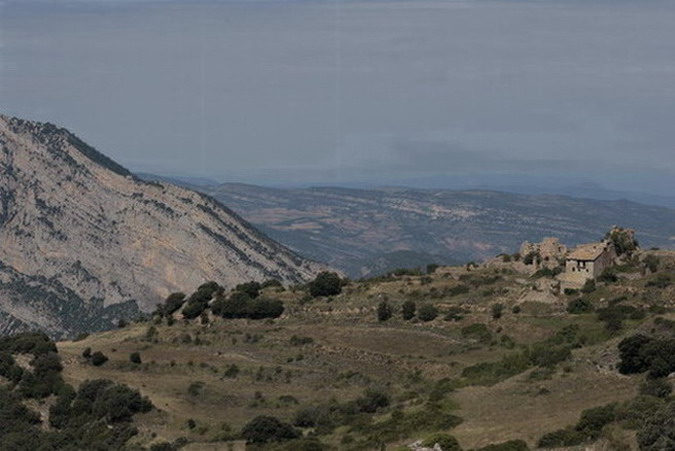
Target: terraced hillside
488	355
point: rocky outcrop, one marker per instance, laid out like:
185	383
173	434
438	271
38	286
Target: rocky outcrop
86	234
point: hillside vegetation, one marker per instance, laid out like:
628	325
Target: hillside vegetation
467	357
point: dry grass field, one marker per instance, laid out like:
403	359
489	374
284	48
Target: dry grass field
187	367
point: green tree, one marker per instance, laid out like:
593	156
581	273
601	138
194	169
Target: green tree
658	432
623	239
578	306
383	311
265	429
427	313
497	310
98	358
250	288
408	310
588	287
135	357
326	284
173	302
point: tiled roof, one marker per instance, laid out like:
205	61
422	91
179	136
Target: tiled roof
588	252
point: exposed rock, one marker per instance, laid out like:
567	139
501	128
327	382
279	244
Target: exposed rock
79	233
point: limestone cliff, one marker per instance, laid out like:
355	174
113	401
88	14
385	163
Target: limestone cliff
79	233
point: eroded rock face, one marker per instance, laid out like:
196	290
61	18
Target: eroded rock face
69	216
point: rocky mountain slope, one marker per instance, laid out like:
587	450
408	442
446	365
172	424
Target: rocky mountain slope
369	231
79	234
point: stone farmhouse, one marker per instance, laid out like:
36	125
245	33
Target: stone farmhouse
588	261
584	262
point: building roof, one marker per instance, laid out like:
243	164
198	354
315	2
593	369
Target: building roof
588	252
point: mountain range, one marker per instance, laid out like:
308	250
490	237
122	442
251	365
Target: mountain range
84	242
366	232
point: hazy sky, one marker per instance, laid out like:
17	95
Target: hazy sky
336	91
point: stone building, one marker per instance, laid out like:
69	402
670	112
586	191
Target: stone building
587	261
549	251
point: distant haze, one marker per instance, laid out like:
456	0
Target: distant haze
424	93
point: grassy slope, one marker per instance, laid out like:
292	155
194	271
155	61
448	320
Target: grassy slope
352	351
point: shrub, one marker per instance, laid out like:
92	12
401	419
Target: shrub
372	400
579	306
264	308
408	310
194	308
208	289
427	313
235	306
593	420
135	358
614	315
81	336
458	290
608	276
173	302
659	388
301	341
383	311
662	281
633	413
98	358
588	287
477	331
271	283
86	353
445	441
250	288
265	429
34	343
454	313
204	318
547	272
195	388
561	438
326	284
497	310
623	239
651	262
432	267
231	372
657	432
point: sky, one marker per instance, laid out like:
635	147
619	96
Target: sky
410	92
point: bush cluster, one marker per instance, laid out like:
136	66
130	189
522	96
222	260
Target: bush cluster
326	284
640	354
96	416
587	429
241	305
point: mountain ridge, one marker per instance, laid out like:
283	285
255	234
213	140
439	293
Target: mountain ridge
351	228
71	215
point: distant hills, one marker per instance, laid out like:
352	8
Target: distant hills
84	242
369	231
